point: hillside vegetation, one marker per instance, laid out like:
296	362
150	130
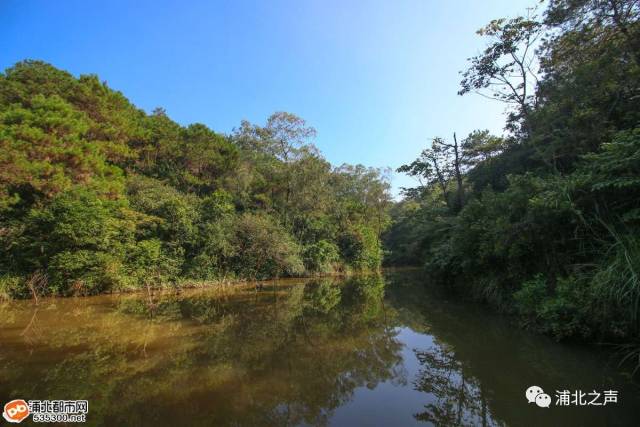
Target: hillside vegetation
545	221
96	195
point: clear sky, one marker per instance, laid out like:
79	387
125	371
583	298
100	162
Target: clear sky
377	79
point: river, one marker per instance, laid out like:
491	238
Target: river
370	350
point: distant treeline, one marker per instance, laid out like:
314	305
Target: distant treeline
545	221
96	195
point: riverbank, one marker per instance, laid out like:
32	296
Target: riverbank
224	285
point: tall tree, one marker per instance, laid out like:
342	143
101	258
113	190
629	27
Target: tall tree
438	166
507	69
580	15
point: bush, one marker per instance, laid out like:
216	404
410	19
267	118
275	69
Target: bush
148	264
563	312
84	272
360	248
265	248
12	287
321	256
174	215
567	313
530	297
79	240
616	285
210	257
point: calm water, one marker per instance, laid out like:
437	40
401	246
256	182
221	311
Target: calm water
364	351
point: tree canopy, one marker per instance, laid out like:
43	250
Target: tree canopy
97	195
545	220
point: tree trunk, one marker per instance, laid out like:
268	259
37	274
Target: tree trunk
457	172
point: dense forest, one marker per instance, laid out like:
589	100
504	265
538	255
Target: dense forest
544	221
97	196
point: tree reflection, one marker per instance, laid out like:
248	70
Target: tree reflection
289	355
457	397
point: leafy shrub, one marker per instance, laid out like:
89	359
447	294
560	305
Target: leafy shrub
360	248
531	296
616	285
265	249
563	312
210	257
173	215
12	287
79	239
567	313
84	272
148	264
321	256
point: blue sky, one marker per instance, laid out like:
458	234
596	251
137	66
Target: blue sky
377	79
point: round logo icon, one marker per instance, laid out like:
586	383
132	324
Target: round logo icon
16	411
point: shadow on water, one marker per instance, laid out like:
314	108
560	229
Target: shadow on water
362	351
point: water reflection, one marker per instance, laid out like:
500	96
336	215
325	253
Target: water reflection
367	350
459	399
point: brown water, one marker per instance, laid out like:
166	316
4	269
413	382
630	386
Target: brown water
363	351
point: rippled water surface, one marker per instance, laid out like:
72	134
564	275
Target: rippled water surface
362	351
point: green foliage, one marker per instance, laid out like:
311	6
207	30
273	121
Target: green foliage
149	263
212	254
96	195
616	167
46	148
563	313
321	256
83	271
175	213
265	248
550	214
616	282
79	239
12	287
361	249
